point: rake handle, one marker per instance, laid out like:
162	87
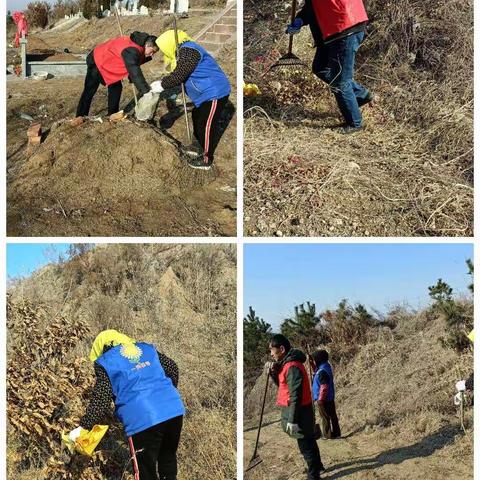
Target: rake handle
292	18
117	16
184	98
261	418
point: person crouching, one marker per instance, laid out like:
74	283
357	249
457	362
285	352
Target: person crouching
206	85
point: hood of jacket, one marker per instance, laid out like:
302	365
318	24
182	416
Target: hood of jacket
139	38
294	355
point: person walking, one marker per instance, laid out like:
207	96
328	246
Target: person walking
324	395
143	386
295	399
338	29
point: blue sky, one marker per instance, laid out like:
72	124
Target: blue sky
22	4
279	276
25	258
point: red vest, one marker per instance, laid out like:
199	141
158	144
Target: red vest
109	61
335	16
283	397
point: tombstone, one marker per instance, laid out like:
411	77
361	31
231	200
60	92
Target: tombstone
143	10
182	6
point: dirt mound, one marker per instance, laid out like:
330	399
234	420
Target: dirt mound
95	178
155	194
86	35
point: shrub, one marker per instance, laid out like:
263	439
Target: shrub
38	13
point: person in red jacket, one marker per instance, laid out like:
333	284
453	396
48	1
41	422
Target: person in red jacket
338	29
109	63
295	399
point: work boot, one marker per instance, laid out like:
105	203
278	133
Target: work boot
348	129
199	162
364	101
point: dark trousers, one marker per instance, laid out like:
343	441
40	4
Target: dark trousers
329	420
309	449
154	451
92	81
334	63
206	122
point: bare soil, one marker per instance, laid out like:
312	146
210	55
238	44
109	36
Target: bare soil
370	454
103	179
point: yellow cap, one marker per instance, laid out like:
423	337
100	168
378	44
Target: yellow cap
108	337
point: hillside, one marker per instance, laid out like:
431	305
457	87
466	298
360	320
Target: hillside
154	293
396	412
408	173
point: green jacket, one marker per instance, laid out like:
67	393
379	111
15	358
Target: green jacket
303	416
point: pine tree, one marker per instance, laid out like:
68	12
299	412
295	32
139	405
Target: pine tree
302	329
256	333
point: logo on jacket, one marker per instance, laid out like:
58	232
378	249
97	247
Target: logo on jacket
131	352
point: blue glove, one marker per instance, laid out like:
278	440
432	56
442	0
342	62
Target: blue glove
295	27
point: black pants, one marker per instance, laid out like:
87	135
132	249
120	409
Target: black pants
309	449
206	119
92	81
329	420
155	450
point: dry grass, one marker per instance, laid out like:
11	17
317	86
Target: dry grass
395	404
408	174
153	293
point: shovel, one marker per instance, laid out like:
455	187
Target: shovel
256	459
289	59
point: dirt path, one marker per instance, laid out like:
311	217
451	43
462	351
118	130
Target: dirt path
368	454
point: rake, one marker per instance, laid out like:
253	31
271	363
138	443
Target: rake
289	59
256	459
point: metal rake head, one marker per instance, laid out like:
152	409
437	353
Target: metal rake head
287	61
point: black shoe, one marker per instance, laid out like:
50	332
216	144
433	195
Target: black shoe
363	101
351	129
199	163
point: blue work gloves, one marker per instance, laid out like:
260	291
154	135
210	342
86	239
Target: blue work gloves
295	27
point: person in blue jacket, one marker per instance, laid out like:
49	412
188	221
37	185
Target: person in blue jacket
205	83
143	385
324	394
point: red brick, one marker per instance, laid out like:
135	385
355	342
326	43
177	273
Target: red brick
35	130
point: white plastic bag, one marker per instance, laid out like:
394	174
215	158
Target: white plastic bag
147	106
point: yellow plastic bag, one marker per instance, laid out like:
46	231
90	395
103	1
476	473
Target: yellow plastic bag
250	90
87	441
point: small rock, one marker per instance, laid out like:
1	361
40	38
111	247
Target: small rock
279	233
